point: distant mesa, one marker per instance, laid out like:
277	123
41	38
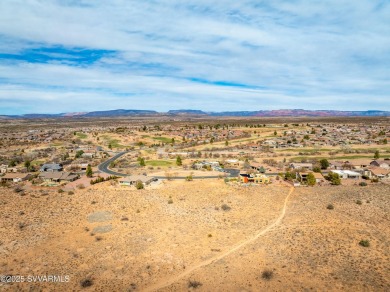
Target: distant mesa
119	112
190	112
186	112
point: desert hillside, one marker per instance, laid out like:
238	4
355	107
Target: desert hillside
193	235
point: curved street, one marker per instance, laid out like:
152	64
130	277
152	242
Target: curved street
103	167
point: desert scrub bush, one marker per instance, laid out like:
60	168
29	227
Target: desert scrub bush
194	284
98	238
70	193
364	243
86	283
267	274
363	184
139	185
359	202
22	225
225	207
18	189
60	191
209	235
170	201
80	186
330	207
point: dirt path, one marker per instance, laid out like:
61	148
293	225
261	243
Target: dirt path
167	282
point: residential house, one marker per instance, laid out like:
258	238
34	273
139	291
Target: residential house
58	176
359	163
89	154
378	173
302	176
51	167
15	177
301	166
132	179
257	178
232	162
6	169
319	177
381	163
344	174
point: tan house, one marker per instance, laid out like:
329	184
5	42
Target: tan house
15	177
58	176
379	173
301	166
132	179
257	178
303	176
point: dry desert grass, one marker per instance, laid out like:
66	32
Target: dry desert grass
179	237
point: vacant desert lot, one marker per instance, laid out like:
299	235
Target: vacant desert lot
222	237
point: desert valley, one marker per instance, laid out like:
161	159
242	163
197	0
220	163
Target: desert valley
187	202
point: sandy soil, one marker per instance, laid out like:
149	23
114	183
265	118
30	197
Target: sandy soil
160	239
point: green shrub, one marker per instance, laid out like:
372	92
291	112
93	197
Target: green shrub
267	274
330	207
362	184
139	185
364	243
194	284
225	207
86	283
359	202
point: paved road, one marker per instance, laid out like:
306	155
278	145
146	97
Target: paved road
103	167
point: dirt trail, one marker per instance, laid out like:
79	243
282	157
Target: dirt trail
167	282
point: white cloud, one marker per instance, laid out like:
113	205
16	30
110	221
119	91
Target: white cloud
291	54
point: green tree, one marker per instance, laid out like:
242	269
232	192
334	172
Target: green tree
178	161
27	164
275	133
324	163
109	146
89	171
79	153
173	140
65	156
316	169
289	176
142	161
226	143
311	180
376	155
334	178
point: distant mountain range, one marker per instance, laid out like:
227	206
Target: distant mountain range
190	112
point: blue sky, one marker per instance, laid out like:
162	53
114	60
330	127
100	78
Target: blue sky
71	56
